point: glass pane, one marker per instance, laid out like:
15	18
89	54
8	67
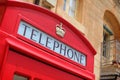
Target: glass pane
18	77
72	8
64	6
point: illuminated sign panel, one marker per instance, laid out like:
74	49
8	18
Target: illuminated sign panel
38	36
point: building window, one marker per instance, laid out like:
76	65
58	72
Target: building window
106	40
36	2
64	5
72	8
105	43
48	4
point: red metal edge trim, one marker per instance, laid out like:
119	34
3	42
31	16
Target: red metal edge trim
44	56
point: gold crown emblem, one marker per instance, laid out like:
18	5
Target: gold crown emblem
59	30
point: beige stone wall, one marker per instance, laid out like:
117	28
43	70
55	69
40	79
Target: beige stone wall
93	21
89	20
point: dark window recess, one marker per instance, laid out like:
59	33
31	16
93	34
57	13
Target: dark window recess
36	2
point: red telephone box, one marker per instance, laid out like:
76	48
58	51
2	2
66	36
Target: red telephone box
36	44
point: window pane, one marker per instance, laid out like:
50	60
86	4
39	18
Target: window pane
18	77
64	6
72	8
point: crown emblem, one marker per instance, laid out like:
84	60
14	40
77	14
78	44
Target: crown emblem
59	30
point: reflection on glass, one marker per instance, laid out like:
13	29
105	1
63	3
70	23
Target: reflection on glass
18	77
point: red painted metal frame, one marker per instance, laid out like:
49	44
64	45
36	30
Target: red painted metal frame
13	12
31	68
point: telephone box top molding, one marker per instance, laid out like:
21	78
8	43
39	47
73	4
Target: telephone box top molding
5	1
18	3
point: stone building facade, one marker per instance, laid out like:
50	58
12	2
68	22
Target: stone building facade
99	21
